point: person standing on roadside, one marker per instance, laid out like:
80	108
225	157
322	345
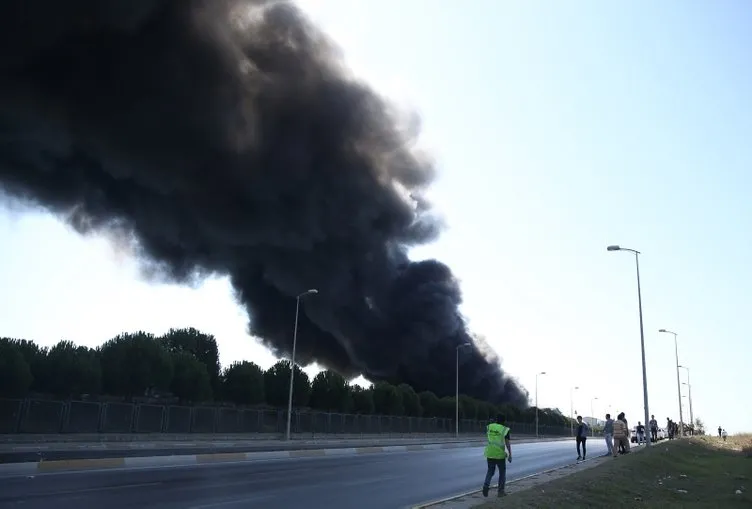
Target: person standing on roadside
608	433
582	432
621	433
653	429
498	440
640	429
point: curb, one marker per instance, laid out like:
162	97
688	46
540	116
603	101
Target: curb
37	467
473	492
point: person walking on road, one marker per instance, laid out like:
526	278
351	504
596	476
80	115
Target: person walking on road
653	429
582	432
608	433
498	441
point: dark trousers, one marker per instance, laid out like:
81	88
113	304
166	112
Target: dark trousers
492	464
654	434
581	440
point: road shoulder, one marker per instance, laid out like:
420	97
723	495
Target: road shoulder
476	498
692	472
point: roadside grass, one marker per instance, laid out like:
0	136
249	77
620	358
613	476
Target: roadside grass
688	473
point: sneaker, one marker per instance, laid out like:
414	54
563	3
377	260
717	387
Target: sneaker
502	494
485	491
579	458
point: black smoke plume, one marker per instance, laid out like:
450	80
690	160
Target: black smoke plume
227	137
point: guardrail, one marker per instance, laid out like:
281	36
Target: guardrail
49	416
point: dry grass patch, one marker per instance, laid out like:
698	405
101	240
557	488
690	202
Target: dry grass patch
692	473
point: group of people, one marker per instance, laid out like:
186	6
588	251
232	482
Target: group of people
722	433
616	433
498	451
672	428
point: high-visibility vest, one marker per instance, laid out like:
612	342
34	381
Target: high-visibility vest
496	433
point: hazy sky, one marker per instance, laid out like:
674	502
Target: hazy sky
559	128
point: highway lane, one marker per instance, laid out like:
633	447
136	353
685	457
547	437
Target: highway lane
67	451
374	481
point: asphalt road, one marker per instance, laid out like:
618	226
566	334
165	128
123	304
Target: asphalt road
11	453
377	481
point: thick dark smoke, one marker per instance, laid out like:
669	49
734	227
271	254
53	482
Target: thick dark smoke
227	137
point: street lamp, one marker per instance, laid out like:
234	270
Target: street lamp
642	332
312	291
678	382
592	412
689	386
536	401
571	409
457	392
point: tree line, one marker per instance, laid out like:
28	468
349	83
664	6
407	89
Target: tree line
184	364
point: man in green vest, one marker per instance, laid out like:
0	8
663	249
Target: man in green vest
498	439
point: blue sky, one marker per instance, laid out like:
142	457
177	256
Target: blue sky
559	128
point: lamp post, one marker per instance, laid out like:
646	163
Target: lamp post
642	332
689	386
592	412
678	381
571	409
312	291
536	401
457	392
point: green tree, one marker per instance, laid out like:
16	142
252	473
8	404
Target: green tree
201	345
429	402
15	374
73	370
410	401
362	400
387	399
243	384
190	381
699	427
277	385
36	358
484	411
447	407
133	363
330	392
468	407
512	413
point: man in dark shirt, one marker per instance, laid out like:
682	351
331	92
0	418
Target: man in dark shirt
653	429
582	432
640	433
